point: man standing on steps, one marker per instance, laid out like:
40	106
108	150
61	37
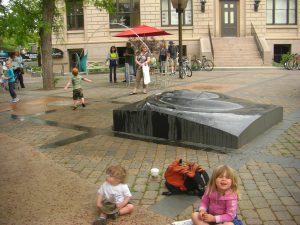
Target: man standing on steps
173	52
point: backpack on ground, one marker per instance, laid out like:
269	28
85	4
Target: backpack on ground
185	177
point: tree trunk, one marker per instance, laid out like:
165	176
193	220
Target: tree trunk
46	44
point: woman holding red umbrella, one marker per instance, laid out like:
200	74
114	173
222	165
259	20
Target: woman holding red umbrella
141	59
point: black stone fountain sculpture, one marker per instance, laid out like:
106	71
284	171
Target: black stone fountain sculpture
196	118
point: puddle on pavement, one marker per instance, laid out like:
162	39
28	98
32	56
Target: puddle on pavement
208	87
41	104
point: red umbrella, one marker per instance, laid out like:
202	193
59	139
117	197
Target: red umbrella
142	31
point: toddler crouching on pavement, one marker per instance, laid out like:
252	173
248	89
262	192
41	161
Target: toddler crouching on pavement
77	89
113	195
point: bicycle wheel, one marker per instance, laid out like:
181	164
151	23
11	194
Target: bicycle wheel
290	64
182	72
189	72
196	66
208	65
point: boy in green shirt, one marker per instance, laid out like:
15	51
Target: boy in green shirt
77	89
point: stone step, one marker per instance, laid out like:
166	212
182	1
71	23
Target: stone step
236	51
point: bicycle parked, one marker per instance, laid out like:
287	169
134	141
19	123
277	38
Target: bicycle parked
204	63
293	62
185	69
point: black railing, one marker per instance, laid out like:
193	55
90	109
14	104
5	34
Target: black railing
254	34
211	44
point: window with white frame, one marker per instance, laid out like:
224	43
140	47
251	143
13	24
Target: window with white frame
169	16
75	18
127	13
281	11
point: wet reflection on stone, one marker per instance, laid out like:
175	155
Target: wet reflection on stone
88	132
196	118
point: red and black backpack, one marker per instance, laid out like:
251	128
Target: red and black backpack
185	177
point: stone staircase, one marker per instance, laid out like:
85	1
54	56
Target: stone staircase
236	52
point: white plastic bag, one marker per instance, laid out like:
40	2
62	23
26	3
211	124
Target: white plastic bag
146	74
183	222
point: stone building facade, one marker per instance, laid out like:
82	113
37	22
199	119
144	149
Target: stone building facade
272	25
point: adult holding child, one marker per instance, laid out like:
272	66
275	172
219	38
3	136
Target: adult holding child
142	59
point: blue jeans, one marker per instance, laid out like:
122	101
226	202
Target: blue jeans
113	68
129	70
11	88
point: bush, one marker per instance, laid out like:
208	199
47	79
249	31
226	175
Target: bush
285	57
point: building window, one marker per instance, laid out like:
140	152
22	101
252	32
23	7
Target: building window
281	11
280	49
169	16
75	18
127	13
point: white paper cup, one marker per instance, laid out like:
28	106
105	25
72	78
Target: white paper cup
154	172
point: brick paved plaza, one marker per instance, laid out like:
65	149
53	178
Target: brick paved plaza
80	144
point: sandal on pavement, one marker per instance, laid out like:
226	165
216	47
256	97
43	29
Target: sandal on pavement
100	221
133	93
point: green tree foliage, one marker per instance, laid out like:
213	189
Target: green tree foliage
28	21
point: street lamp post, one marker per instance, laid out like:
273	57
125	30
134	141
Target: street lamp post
179	5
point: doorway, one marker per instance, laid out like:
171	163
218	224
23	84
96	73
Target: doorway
73	54
229	18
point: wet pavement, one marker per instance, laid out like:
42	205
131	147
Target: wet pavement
82	141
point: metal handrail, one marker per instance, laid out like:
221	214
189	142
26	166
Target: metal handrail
211	44
254	34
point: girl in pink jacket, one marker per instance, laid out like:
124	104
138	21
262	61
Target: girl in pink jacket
220	200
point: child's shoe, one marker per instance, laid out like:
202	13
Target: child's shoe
15	100
83	105
100	221
114	215
75	107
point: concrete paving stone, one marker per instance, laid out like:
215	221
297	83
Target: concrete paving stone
250	186
259	202
137	195
150	194
270	195
275	183
245	204
153	187
297	219
270	176
249	214
282	192
265	188
288	222
270	223
283	215
254	193
288	201
246	176
276	208
254	222
295	177
141	180
294	210
265	214
147	201
274	202
139	187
